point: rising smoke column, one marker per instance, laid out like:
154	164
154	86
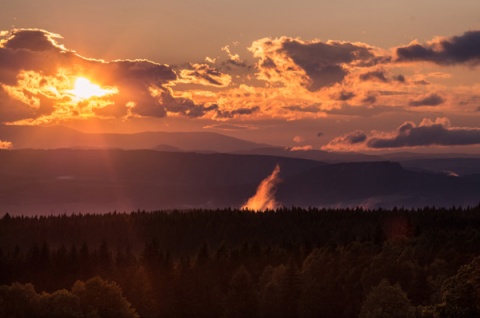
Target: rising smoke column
264	198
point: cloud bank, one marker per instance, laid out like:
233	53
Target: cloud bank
312	64
429	100
462	49
39	73
284	78
427	133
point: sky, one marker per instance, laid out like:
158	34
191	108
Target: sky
367	76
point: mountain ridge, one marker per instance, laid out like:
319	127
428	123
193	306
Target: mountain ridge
74	180
63	137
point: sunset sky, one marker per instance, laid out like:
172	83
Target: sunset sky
368	76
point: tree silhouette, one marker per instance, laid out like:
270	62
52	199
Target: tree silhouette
103	298
387	301
241	300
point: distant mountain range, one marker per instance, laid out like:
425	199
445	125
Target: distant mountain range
94	180
62	137
35	137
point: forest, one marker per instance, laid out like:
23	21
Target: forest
291	262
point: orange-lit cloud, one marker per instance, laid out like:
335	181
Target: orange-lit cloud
301	148
284	78
203	74
39	72
5	144
312	64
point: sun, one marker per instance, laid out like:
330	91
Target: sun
84	89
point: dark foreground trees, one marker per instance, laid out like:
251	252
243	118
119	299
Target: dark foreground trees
289	263
93	298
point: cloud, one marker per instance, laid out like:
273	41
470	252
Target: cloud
312	64
5	144
304	109
343	95
369	99
422	82
374	76
364	110
204	74
13	109
299	139
233	59
237	112
264	198
462	49
429	100
33	40
300	148
347	141
292	79
231	127
399	78
180	106
428	133
37	76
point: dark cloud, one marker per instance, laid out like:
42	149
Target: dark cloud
463	49
343	95
370	99
12	110
438	133
374	76
32	50
304	109
231	62
32	40
138	70
428	133
268	63
322	61
363	110
346	141
471	99
182	106
231	127
422	82
391	93
399	78
430	100
204	74
237	112
356	137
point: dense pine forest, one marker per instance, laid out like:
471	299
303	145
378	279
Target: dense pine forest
230	263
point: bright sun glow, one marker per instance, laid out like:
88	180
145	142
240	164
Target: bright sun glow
84	89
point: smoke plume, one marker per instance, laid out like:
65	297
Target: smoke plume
264	199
